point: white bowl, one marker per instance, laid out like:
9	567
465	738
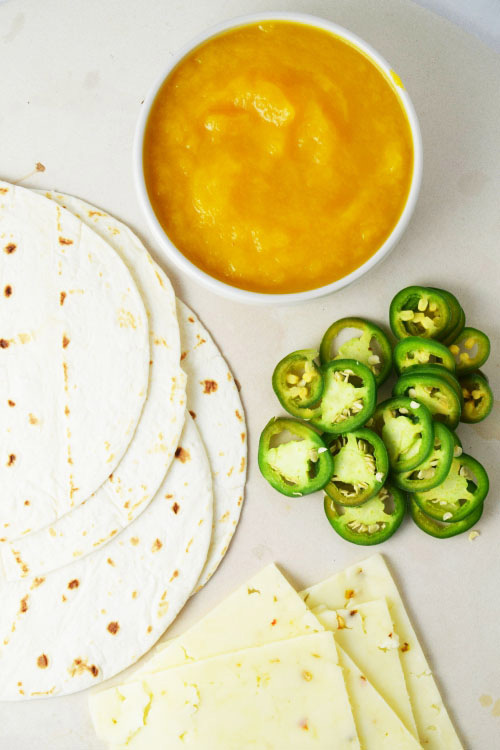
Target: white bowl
243	295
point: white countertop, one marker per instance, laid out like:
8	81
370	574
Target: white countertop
73	75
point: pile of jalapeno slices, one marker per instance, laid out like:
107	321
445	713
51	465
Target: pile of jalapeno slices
373	461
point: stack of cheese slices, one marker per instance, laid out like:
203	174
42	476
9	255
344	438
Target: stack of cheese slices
122	447
336	667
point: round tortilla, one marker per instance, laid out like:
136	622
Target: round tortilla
136	479
85	622
74	365
214	402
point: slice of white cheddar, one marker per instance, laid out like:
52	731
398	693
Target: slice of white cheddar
370	580
367	635
377	725
290	694
264	610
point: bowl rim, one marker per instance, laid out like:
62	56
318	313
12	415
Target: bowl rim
220	287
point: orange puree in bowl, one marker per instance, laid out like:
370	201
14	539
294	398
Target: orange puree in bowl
277	157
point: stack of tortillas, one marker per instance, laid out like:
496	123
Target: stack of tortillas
122	447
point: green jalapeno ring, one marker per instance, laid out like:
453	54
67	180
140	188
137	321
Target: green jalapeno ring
469	339
434	392
349	396
457	315
360	466
418	311
297	380
414	351
299	466
478	398
359	347
465	487
371	523
442	529
434	470
441	372
407	429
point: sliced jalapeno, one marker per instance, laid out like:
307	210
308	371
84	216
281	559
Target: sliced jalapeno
297	380
372	347
407	430
478	398
441	372
434	392
293	457
462	491
417	311
360	466
441	529
457	317
434	469
471	350
414	350
371	523
349	396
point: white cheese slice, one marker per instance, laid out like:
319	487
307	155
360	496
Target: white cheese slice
376	723
370	580
289	694
367	634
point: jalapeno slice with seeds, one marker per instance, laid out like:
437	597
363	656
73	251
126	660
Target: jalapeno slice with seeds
349	396
293	457
418	311
413	351
434	469
297	380
471	350
371	523
441	373
478	398
434	392
465	487
457	316
407	429
372	347
442	529
360	466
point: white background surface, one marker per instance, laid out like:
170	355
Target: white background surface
72	78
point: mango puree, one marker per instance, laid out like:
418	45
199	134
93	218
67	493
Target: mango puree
277	157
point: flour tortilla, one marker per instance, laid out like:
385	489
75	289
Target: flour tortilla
143	467
74	361
85	622
214	402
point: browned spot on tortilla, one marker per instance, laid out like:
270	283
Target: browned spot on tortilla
242	465
243	436
230	471
240	500
4	343
10	248
74	583
4	190
62	297
42	661
183	355
193	414
191	320
66	410
176	507
160	280
113	628
12	459
110	562
65	241
135	541
168	496
65	371
157	545
134	594
189	544
96	213
229	376
11	403
65	341
209	386
26	502
238	415
8	290
24	604
225	516
182	454
64	598
40	167
80	665
405	647
32	419
37	582
150	628
174	575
